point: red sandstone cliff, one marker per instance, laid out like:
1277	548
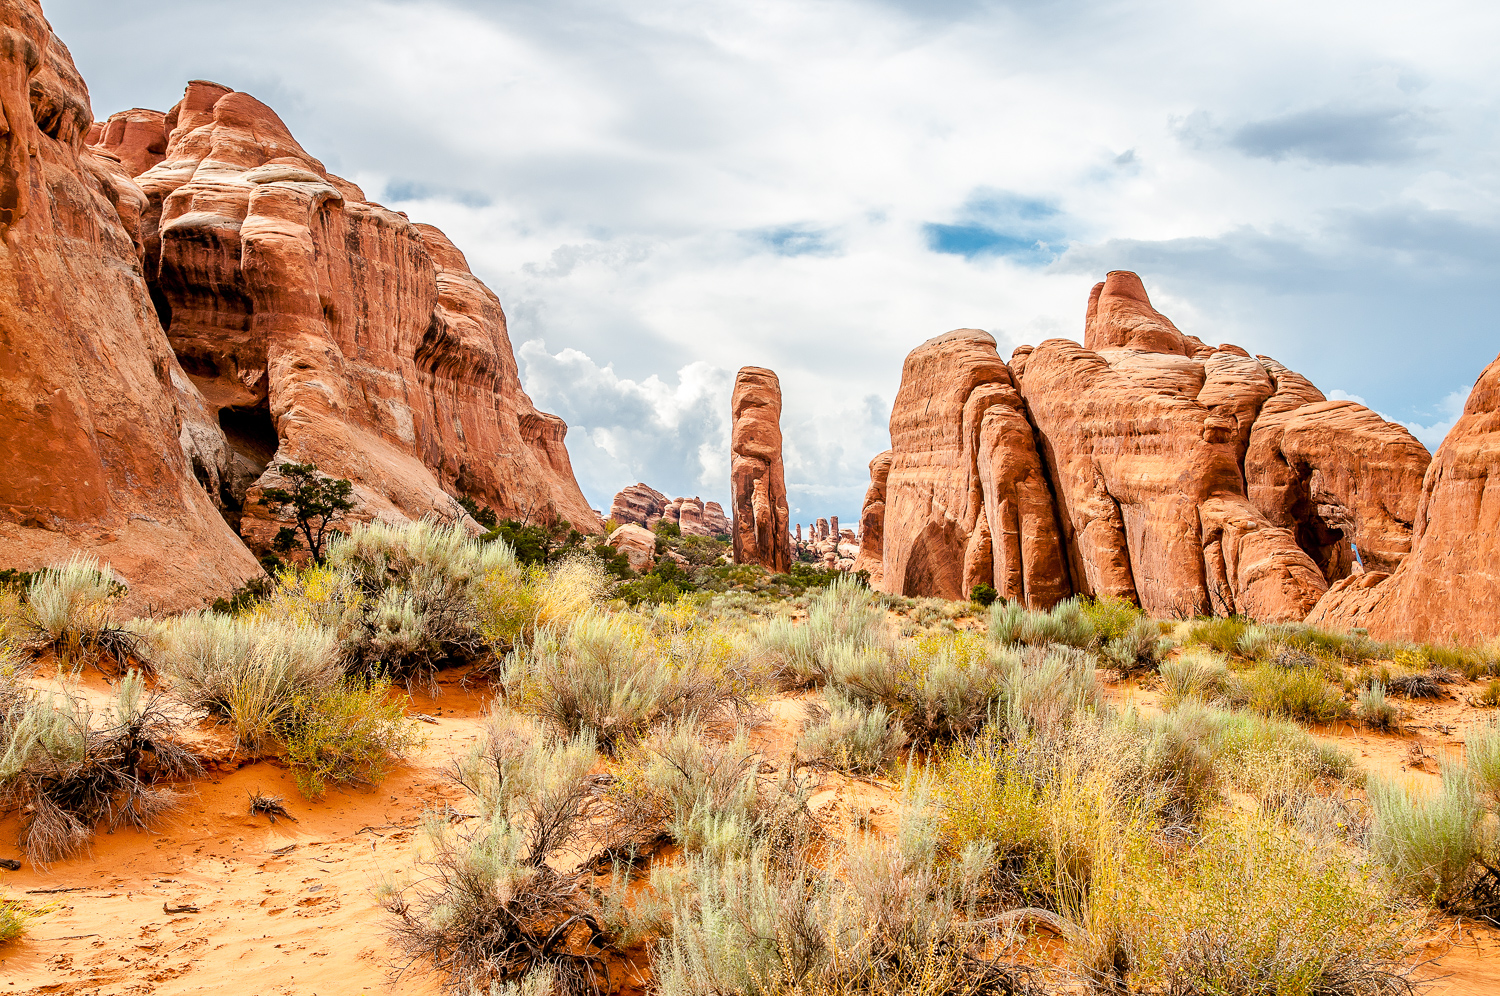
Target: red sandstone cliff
324	328
188	298
103	438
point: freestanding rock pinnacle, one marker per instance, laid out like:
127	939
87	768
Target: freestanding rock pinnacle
762	532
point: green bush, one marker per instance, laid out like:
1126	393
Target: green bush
1257	754
1431	845
1197	674
1249	908
842	618
247	670
1482	758
703	793
940	687
406	597
983	594
350	734
1225	635
888	924
1296	693
852	737
487	918
1140	648
69	769
1067	623
603	674
535	779
70	608
1376	710
948	686
14	917
1112	617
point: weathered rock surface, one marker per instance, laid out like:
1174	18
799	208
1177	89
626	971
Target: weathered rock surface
1335	472
137	138
714	519
762	527
323	328
1143	465
965	497
639	505
637	543
872	521
101	434
1448	587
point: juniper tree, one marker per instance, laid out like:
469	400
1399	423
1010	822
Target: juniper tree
316	501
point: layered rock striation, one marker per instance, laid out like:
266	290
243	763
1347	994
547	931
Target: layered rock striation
1142	464
189	298
762	526
322	328
104	438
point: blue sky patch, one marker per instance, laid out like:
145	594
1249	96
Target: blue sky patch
797	240
397	191
1000	223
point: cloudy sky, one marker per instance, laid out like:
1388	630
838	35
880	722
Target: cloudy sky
663	191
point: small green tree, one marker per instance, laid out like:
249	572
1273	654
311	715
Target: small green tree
316	502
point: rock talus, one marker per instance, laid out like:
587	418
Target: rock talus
762	526
104	439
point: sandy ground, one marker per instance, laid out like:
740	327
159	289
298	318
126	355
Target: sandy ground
214	900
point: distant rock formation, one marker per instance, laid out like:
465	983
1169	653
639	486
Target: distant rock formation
638	504
1143	464
645	506
103	438
1447	587
762	527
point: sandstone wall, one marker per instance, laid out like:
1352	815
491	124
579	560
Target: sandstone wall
965	497
103	438
1143	464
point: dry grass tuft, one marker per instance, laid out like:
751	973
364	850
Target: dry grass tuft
69	770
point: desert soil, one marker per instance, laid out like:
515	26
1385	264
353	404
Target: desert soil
215	900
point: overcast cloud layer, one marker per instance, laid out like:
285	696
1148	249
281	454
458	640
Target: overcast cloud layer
662	192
